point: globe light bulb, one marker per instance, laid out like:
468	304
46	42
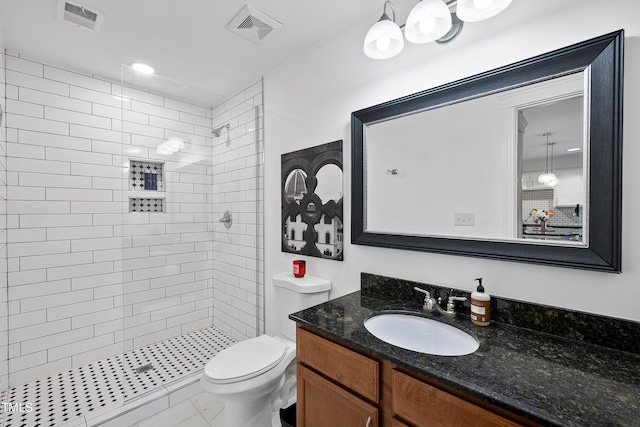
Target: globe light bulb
482	4
383	43
427	24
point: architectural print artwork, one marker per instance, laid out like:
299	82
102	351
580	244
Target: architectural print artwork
312	201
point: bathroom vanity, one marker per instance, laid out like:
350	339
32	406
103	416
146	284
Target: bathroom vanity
518	376
332	378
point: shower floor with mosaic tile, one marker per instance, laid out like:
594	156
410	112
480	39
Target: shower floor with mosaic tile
60	398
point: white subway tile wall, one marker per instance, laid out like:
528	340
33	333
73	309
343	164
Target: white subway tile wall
86	278
4	315
238	186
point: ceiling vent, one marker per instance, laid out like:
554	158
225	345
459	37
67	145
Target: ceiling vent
254	25
79	15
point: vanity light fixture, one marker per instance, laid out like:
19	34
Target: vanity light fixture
548	178
429	20
574	149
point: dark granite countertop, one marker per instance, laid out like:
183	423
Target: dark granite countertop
549	379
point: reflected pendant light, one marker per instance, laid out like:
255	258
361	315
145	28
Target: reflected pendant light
548	178
479	10
428	21
384	39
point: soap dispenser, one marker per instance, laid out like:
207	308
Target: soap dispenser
480	305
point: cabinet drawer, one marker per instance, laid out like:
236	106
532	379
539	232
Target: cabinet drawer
424	405
351	369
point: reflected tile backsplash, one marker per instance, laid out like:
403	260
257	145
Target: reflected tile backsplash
543	199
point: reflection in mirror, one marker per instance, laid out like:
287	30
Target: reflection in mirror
551	140
454	165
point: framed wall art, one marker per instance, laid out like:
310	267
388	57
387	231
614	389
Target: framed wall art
312	195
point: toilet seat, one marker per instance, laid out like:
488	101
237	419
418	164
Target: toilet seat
244	360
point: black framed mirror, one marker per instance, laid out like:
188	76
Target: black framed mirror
601	62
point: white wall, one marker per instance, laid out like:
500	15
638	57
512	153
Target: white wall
309	101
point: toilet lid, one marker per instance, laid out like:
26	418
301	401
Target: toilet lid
245	359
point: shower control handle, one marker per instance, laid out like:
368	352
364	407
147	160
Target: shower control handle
226	219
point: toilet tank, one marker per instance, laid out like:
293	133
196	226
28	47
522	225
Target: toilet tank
293	294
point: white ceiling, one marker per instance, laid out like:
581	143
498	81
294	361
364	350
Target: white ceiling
186	41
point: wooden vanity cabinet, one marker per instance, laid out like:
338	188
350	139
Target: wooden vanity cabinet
338	386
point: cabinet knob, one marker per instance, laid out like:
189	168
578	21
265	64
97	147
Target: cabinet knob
368	422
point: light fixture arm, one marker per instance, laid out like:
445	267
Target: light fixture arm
384	11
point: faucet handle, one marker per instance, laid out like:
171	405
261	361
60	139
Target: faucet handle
427	297
426	293
451	303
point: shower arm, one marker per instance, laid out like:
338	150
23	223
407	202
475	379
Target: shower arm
217	131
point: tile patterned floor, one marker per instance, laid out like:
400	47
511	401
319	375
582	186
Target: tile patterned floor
59	398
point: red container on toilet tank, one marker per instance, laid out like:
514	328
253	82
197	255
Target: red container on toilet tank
299	268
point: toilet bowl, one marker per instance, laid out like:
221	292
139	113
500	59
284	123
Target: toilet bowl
249	376
256	377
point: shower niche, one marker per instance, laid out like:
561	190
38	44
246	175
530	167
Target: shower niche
147	186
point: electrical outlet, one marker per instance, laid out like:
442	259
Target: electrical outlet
466	219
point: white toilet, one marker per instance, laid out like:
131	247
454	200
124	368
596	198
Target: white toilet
256	377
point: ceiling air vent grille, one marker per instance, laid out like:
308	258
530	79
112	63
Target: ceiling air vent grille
79	15
253	25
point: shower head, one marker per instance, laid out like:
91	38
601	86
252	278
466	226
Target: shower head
217	131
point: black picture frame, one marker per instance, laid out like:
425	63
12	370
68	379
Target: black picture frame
604	57
306	209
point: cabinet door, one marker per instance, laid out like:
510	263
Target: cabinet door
321	403
570	190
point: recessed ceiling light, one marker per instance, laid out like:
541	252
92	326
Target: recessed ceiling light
574	149
143	68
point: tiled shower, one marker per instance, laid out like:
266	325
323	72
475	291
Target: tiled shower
90	276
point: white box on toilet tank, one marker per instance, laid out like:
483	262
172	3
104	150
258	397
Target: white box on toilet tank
293	294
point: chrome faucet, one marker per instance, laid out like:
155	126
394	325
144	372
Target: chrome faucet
432	305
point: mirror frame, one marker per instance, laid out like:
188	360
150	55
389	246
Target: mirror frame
604	57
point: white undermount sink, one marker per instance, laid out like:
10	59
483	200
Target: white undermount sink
421	334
